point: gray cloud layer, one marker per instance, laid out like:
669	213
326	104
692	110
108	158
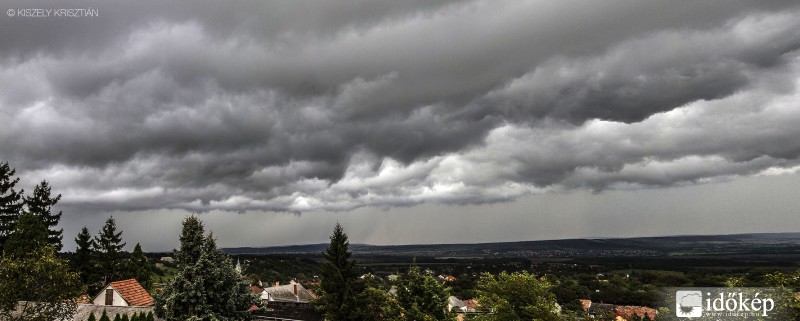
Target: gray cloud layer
338	105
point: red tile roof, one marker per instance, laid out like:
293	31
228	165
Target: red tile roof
627	311
255	289
133	293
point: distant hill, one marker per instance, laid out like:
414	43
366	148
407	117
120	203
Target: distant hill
756	243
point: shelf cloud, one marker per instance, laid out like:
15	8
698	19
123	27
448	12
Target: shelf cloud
333	106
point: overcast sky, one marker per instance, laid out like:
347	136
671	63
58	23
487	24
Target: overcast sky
407	121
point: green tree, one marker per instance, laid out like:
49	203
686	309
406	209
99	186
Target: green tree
150	316
192	240
375	304
10	202
91	317
35	277
516	297
104	316
421	297
108	252
206	287
786	286
83	261
117	317
41	203
139	267
30	234
339	283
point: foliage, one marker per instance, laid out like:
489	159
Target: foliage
339	283
107	248
83	261
42	281
117	317
786	285
104	316
139	267
91	317
421	297
41	203
30	234
192	240
375	304
11	202
273	268
207	287
516	296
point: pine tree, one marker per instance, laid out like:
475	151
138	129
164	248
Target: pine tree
117	317
91	317
30	234
139	267
108	250
83	260
421	297
10	202
207	287
150	316
191	241
104	316
339	283
40	203
125	317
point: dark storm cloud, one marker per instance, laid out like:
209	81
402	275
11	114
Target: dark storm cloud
337	105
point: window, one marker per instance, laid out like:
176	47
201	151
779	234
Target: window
109	296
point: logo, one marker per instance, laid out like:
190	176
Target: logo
688	304
721	304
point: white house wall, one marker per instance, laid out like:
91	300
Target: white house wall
117	301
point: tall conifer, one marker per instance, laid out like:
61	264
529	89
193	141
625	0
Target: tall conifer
108	250
41	203
207	287
83	260
10	202
339	281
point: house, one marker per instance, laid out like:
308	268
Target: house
464	309
618	312
472	305
124	293
454	303
167	259
446	278
625	312
255	289
288	311
292	292
288	302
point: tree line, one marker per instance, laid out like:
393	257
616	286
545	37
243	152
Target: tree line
100	259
